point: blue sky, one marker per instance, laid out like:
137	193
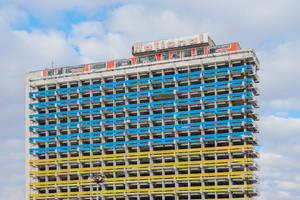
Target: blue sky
35	33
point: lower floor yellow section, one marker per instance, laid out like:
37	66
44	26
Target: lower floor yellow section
178	177
153	191
158	166
163	153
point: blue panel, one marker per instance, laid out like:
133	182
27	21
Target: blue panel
144	93
144	117
143	130
142	142
144	105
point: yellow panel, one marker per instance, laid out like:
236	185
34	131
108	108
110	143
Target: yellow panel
142	154
144	166
178	177
171	190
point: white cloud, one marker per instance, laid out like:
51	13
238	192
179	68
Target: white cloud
287	185
248	21
86	37
56	7
276	196
274	126
286	103
12	169
46	46
22	51
95	47
126	25
279	76
12	193
279	163
13	15
87	29
144	23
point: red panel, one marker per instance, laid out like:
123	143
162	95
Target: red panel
44	73
133	61
205	51
110	64
158	57
86	69
233	47
181	54
193	52
171	55
55	71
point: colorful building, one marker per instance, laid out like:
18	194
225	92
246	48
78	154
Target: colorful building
176	121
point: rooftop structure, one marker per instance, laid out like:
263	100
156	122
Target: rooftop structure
176	121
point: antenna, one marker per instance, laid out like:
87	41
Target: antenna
52	64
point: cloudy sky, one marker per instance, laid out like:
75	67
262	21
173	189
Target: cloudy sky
33	33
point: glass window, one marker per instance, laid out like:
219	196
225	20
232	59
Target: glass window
152	58
74	69
50	72
123	62
165	56
142	59
98	65
145	59
200	51
212	50
176	54
187	53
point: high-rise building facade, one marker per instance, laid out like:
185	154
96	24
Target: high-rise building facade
176	121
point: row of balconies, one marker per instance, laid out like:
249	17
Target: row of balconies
136	88
97	139
133	76
95	152
85	113
238	195
143	119
137	113
137	161
223	166
146	138
229	181
215	89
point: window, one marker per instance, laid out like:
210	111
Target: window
187	53
165	56
142	59
212	50
123	62
152	58
98	65
146	59
200	51
176	54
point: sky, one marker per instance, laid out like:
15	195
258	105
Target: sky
35	33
